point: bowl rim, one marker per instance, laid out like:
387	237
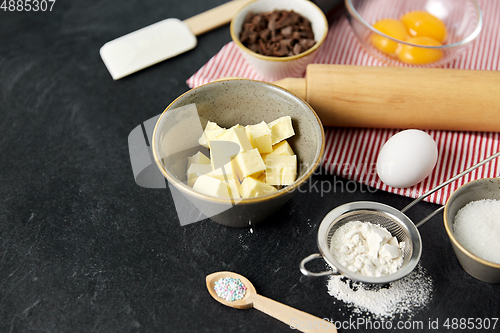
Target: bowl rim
242	47
447	225
188	190
352	11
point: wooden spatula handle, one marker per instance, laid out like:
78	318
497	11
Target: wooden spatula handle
215	17
398	97
296	319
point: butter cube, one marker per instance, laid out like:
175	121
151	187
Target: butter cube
211	186
234	192
281	129
281	169
222	153
262	177
196	170
226	172
211	131
198	158
282	148
251	188
236	134
260	137
250	163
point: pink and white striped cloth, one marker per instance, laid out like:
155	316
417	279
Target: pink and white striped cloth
352	152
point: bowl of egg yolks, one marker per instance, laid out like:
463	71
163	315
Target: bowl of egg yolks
415	33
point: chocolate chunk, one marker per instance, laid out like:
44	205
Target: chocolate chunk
283	48
272	26
287	42
287	32
265	35
249	17
279	33
285	20
307	43
248	29
277	38
297	49
254	47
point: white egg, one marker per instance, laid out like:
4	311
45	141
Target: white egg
407	158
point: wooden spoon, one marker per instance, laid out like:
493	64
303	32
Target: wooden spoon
296	319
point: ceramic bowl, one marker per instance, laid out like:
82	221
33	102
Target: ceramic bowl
231	102
276	68
463	20
486	188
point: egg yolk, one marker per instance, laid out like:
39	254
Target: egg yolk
416	27
393	28
420	56
420	23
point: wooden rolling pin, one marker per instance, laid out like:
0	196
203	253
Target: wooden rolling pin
401	97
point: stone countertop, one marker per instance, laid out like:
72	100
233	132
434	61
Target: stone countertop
84	249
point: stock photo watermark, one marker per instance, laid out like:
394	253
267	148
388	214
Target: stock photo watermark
333	184
453	324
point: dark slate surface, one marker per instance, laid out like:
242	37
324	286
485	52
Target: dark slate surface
84	249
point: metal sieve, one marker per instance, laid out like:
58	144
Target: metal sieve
394	220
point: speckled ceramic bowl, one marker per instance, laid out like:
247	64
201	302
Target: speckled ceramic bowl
276	68
228	103
486	188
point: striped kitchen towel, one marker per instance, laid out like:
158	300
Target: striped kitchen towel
352	152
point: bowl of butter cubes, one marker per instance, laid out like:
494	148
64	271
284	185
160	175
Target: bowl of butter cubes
236	151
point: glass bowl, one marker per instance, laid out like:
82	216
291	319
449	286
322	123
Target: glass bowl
463	20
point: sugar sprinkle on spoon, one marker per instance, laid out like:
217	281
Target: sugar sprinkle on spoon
297	319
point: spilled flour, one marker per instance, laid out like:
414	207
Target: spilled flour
404	296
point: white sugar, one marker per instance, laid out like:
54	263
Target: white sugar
477	228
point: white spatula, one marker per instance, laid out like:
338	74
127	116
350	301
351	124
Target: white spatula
163	40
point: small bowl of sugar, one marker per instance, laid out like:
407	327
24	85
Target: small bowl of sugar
472	221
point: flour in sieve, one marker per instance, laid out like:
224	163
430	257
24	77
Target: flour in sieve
367	249
404	296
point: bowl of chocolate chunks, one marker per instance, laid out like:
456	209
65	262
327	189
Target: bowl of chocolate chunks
279	38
